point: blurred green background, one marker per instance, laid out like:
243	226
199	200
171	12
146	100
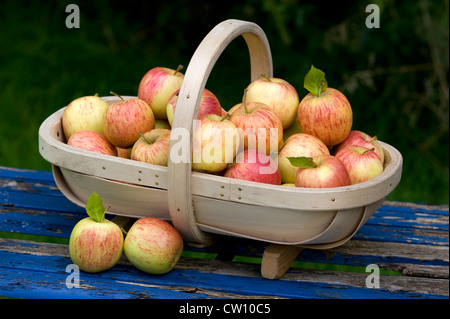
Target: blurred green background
395	76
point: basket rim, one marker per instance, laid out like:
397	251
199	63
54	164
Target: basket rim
60	154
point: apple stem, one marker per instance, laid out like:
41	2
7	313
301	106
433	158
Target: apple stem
244	101
225	117
322	84
373	138
369	150
179	68
146	139
266	77
116	95
96	94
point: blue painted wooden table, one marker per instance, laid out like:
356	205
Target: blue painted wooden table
401	252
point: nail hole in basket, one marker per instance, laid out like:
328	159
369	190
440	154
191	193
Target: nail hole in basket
139	179
156	175
140	172
103	167
239	189
156	183
333	199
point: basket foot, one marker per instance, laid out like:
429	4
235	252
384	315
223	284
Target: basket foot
277	259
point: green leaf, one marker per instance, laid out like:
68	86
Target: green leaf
94	207
315	81
302	161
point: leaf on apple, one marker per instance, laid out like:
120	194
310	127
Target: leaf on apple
315	81
302	161
94	207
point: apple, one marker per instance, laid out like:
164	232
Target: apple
278	94
259	127
124	152
152	147
234	108
359	138
162	124
288	184
321	171
92	141
297	145
291	130
153	245
157	86
362	163
209	104
84	113
125	119
254	165
324	112
95	244
216	142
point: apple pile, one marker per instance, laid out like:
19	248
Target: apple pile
270	136
96	244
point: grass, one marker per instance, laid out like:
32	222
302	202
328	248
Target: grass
388	74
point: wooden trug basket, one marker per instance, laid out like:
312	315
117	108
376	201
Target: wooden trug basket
199	204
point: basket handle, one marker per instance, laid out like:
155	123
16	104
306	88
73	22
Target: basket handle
179	171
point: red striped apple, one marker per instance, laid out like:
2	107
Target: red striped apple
124	152
259	127
256	166
278	94
209	104
153	245
298	145
95	244
157	86
125	119
324	112
152	147
92	141
359	138
233	108
362	163
323	171
84	113
216	142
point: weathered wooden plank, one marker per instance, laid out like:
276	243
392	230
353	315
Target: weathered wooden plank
370	231
23	275
409	238
224	278
26	174
38	222
406	216
401	251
